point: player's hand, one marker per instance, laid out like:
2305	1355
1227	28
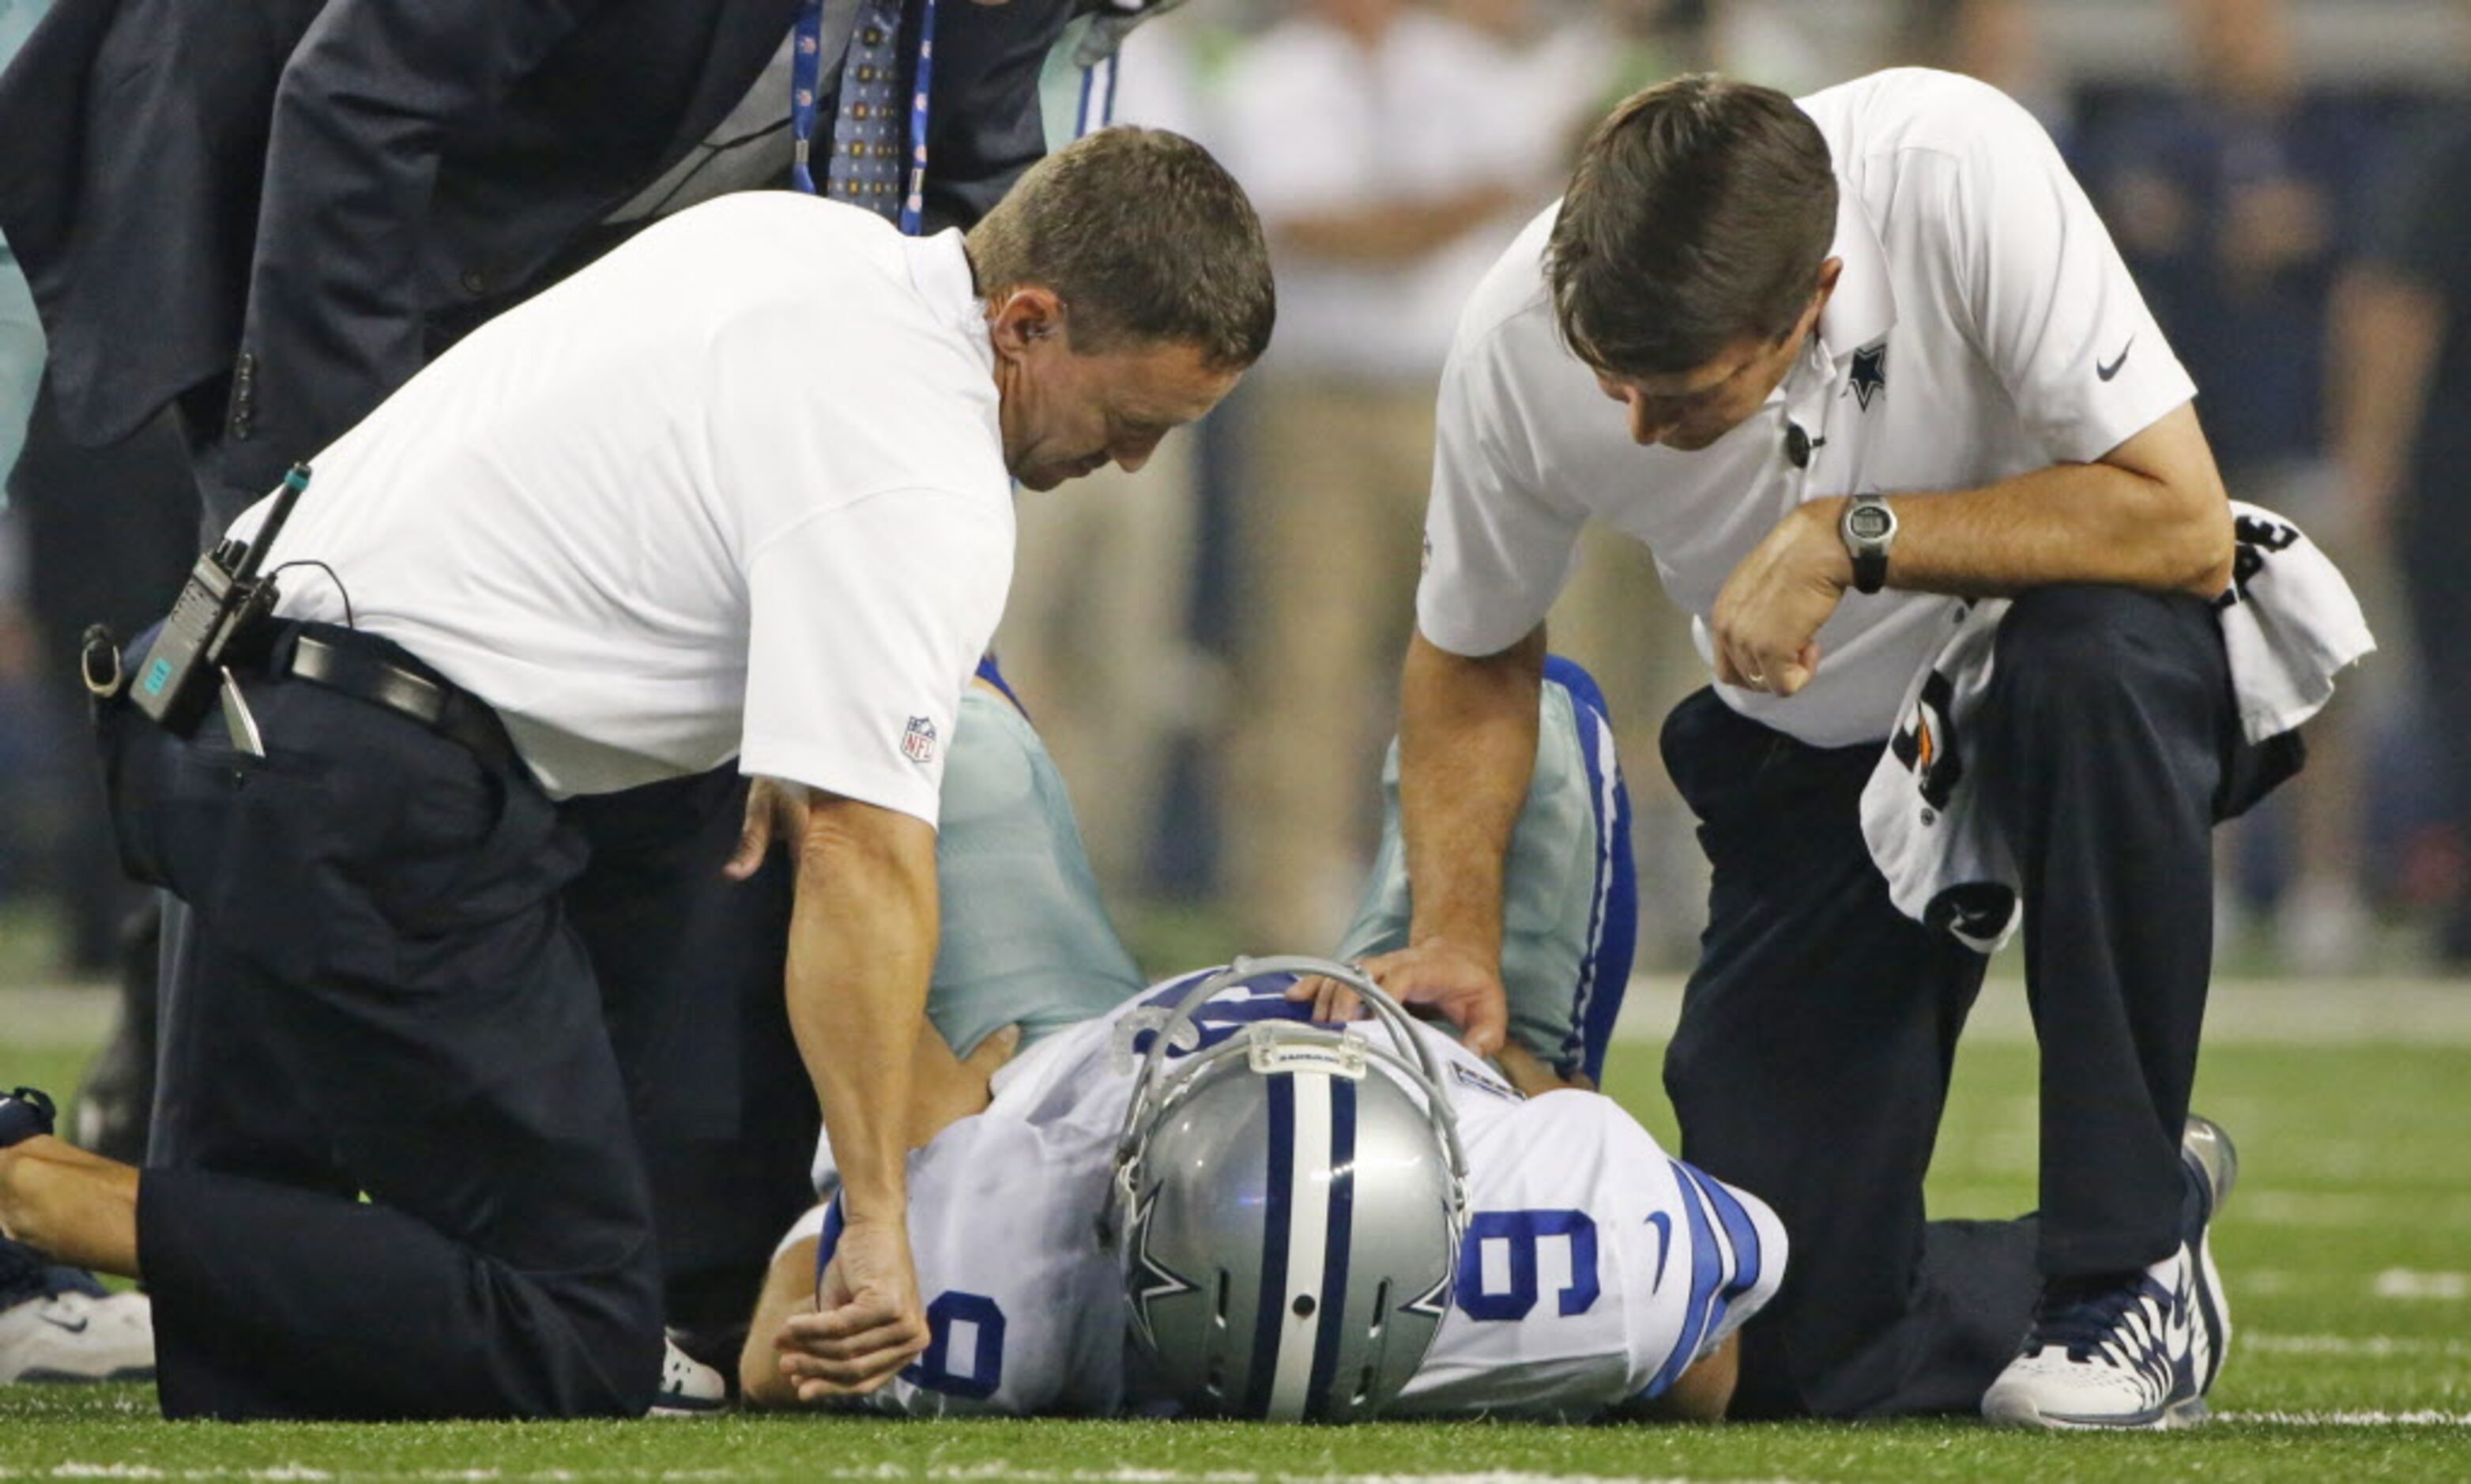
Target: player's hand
775	811
868	1322
1766	620
1436	972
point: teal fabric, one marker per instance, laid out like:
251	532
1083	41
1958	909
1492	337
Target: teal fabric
21	334
1548	885
1025	939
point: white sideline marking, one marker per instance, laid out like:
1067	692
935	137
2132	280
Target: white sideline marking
2333	1210
2293	1012
2348	1419
2351	1347
2402	1282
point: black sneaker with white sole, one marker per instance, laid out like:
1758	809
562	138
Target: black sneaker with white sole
689	1387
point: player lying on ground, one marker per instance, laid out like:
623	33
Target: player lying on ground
1596	1269
1276	1230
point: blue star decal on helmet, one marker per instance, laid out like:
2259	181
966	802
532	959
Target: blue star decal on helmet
1152	1280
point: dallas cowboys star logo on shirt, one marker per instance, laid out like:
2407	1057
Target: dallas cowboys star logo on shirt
1870	372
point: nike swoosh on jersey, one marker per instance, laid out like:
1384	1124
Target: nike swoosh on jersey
2106	372
58	1323
1663	1225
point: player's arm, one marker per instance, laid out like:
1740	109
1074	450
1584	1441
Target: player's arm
789	1289
1701	1394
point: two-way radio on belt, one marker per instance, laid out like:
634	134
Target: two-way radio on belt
221	610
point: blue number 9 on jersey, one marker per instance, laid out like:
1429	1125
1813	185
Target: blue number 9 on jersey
1515	1235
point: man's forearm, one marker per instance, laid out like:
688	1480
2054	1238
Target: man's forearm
862	945
1466	750
2151	514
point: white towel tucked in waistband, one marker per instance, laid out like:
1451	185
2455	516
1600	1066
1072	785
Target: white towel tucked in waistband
2289	624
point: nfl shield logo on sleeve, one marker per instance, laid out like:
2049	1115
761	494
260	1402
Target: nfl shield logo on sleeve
918	743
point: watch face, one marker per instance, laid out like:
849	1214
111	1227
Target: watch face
1869	522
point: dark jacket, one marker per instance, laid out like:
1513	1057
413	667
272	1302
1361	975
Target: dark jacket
300	199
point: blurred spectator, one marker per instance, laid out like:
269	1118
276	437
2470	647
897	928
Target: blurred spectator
1998	42
2237	197
1392	152
2403	323
1096	637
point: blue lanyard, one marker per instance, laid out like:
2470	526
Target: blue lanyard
914	204
806	78
805	71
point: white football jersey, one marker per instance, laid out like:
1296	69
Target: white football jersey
1595	1268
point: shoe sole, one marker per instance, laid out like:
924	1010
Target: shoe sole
2220	1175
2213	1312
40	1377
677	1409
2191	1413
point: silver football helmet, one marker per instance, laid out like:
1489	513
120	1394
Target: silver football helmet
1289	1205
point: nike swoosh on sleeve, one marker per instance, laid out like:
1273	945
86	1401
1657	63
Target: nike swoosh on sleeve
2106	372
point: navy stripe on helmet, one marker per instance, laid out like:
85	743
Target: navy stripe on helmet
1279	1195
1341	1228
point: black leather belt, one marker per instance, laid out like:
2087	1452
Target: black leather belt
431	702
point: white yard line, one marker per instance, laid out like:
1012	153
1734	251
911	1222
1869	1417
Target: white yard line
2242	1012
2353	1347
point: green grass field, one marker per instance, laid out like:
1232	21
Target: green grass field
2346	1251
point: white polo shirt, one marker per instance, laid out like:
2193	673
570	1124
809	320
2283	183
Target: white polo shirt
737	489
1984	326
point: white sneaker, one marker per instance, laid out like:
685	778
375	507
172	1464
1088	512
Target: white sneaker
76	1335
2106	1354
689	1387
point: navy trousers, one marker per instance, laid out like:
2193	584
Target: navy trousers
690	967
1812	1059
380	993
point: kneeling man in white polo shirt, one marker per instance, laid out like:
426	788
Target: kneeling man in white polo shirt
742	488
1871	358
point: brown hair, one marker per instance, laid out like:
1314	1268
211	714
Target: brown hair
1144	237
1698	217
